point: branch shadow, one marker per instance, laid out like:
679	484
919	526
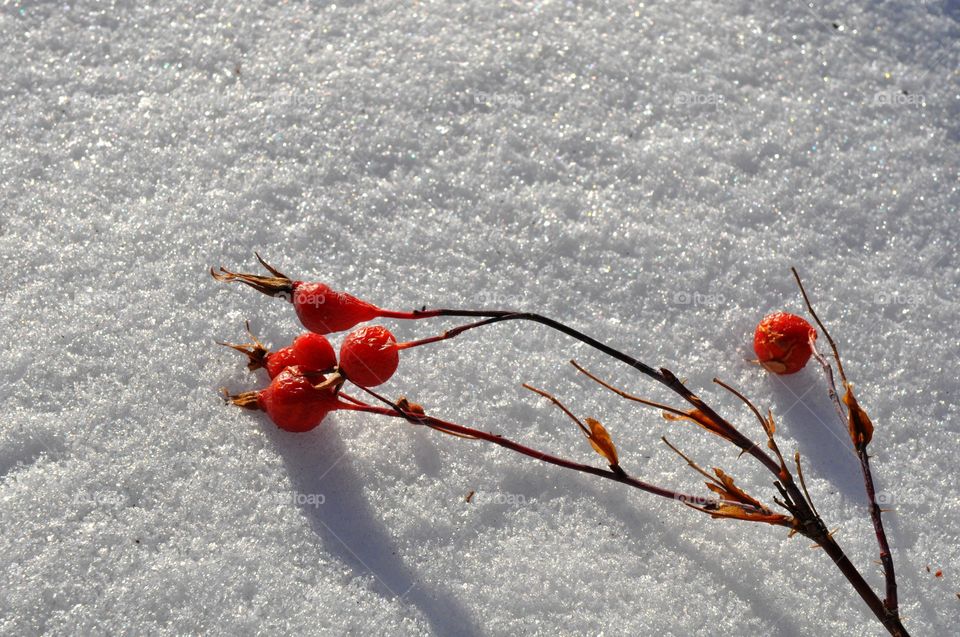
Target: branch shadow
341	516
801	403
750	592
646	526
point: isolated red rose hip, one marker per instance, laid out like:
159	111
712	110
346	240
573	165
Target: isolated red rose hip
782	342
369	355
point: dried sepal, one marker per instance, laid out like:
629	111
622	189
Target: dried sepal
246	400
601	442
728	490
738	512
700	418
277	284
256	352
333	382
861	427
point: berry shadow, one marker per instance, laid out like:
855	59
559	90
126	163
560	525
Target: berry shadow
341	516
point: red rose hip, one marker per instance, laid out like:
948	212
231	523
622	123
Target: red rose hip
293	403
309	351
324	310
312	352
369	355
782	342
319	307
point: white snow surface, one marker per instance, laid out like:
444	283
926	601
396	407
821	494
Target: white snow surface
645	172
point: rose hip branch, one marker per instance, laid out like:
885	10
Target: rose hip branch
307	381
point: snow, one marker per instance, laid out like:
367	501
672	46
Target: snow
647	173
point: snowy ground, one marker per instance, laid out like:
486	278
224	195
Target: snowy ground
648	173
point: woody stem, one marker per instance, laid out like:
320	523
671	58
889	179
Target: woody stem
394	410
813	526
662	376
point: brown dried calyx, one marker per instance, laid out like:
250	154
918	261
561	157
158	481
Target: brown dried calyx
277	285
256	352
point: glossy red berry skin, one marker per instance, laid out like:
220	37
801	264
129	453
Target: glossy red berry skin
782	342
324	310
311	352
369	355
293	403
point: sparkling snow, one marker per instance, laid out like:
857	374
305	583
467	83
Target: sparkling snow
648	173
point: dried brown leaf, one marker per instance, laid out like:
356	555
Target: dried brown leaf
700	418
733	492
861	428
601	442
736	512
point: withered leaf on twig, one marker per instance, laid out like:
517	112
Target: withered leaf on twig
601	442
700	418
739	513
730	491
861	428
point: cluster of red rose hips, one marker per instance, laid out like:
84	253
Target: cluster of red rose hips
306	376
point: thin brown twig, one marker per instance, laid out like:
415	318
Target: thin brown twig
803	483
746	401
622	393
826	333
690	462
394	409
886	558
563	408
831	384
